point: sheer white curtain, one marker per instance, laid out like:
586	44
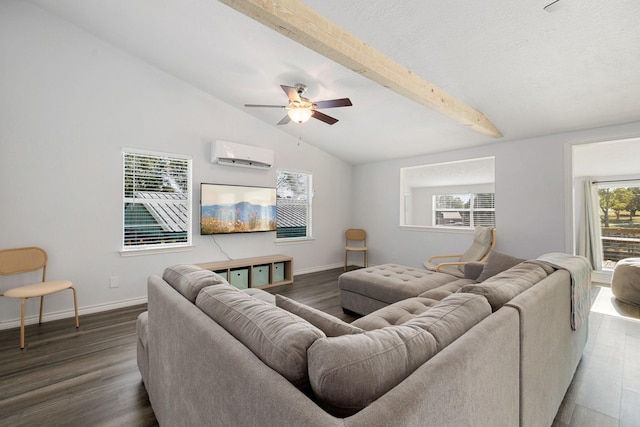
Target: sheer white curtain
589	237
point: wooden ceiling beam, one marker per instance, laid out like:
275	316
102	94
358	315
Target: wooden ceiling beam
302	24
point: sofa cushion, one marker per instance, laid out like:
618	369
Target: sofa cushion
279	338
330	325
348	373
395	314
446	319
548	268
189	279
497	263
504	286
260	294
452	317
445	290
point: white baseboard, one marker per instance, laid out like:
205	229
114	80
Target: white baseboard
65	314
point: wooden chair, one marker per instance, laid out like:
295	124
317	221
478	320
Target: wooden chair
23	260
359	237
484	239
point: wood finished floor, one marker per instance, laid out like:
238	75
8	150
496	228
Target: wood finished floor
89	377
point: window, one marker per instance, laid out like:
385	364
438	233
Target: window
619	203
157	200
293	201
464	210
457	194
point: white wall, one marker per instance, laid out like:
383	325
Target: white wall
533	188
68	104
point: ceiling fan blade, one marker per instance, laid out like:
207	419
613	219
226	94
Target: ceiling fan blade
264	106
342	102
284	120
323	117
292	93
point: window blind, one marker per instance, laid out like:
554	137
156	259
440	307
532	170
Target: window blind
293	202
464	210
157	200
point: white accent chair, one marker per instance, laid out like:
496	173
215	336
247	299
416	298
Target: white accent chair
484	239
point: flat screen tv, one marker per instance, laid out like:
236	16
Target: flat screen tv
236	209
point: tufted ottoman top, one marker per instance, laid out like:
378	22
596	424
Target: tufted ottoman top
392	282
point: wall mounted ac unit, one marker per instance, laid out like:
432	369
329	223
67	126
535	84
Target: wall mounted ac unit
234	154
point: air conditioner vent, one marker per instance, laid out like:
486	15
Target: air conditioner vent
234	154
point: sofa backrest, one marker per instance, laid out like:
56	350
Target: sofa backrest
503	287
279	338
189	279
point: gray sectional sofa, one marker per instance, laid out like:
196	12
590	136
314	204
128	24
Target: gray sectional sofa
210	354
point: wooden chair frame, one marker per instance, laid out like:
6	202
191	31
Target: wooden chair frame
24	260
459	256
356	235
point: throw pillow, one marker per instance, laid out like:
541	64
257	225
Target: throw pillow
330	325
497	263
189	279
279	338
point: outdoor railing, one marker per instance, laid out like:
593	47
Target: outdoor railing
620	243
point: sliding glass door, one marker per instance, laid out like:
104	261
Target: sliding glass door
619	204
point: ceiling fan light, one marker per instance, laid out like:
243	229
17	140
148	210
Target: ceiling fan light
300	115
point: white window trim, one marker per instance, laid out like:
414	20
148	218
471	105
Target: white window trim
309	237
164	248
439	229
436	181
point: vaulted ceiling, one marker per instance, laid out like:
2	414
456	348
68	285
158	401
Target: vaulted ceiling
530	72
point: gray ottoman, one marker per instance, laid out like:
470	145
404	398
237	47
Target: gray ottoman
368	289
625	283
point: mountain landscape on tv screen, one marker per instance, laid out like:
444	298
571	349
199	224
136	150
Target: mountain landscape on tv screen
242	217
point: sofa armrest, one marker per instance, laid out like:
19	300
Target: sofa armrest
550	349
142	350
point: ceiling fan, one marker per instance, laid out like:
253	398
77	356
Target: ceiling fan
300	109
